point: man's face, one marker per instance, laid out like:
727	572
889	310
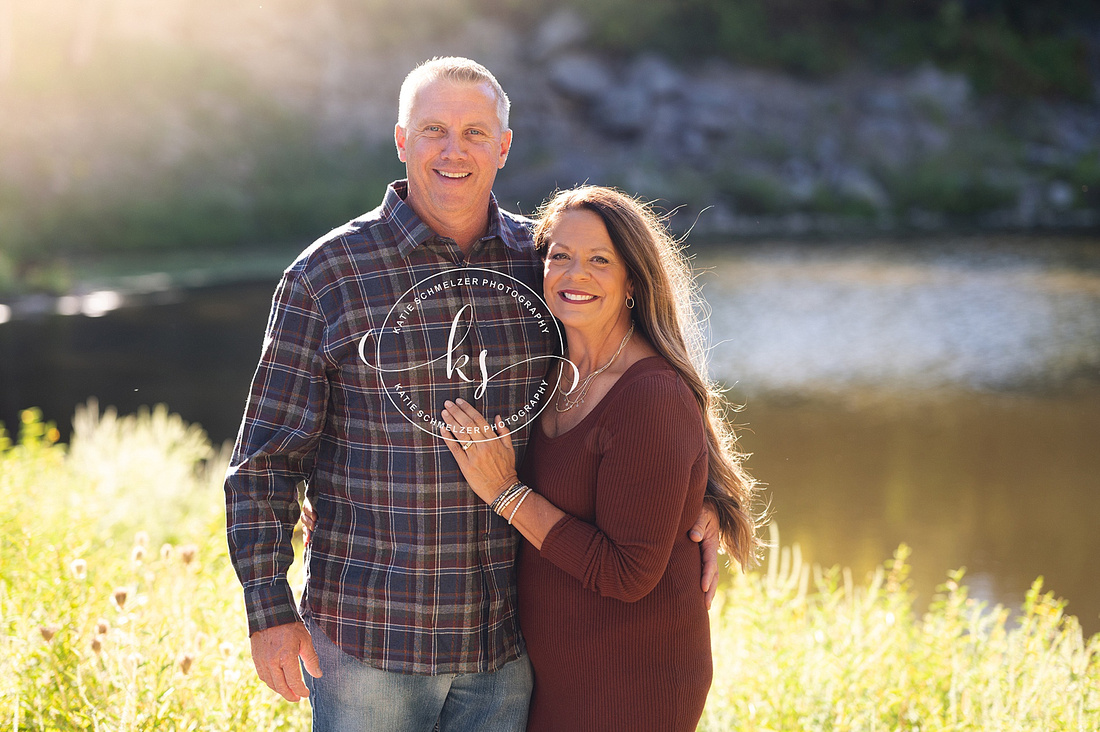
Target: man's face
452	149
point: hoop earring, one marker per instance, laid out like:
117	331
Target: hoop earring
630	302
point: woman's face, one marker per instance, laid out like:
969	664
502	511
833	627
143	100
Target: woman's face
585	281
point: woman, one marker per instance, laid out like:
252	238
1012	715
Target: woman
614	476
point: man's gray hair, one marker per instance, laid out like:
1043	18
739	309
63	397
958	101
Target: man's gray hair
450	68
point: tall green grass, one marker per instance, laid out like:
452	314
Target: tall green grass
800	648
119	611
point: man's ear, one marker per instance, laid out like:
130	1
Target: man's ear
399	139
505	146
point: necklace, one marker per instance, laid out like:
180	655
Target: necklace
582	391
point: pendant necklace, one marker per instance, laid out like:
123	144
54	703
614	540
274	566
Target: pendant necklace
582	391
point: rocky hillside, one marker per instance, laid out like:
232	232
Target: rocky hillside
123	118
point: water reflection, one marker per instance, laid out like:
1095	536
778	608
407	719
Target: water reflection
193	350
1003	485
948	398
790	318
94	305
943	396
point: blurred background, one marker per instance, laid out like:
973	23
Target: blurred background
894	211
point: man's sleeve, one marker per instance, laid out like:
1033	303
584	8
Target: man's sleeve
275	451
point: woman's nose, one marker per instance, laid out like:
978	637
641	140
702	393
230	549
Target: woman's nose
577	269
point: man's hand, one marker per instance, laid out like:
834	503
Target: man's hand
705	532
275	653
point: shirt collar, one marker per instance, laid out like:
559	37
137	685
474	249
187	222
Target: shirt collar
413	231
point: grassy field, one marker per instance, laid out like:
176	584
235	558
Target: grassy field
120	611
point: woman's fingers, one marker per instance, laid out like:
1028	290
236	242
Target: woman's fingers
467	423
309	515
473	419
488	463
504	432
451	439
456	425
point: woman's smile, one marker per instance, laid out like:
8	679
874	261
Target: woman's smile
585	280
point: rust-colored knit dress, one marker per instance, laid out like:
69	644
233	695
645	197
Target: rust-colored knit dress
611	609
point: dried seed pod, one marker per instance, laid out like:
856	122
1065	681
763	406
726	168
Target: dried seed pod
188	552
78	568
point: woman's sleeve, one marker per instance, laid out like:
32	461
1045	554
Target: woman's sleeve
651	436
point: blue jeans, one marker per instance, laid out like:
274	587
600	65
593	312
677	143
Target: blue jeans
354	696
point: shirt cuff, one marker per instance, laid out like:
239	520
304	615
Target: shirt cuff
270	605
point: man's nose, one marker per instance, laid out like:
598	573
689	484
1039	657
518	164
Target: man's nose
454	146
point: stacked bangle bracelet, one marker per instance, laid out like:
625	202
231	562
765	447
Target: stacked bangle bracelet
506	496
515	491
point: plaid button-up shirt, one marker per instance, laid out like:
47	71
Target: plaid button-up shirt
371	329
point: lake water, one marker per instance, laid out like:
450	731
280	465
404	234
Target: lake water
943	394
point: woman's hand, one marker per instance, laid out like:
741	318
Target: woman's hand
485	457
309	521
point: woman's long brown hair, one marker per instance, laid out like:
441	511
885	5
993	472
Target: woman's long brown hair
665	313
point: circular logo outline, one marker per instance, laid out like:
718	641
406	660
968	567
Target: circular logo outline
519	287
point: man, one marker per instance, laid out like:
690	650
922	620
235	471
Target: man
408	617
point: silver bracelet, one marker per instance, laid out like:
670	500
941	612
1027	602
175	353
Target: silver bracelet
521	500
